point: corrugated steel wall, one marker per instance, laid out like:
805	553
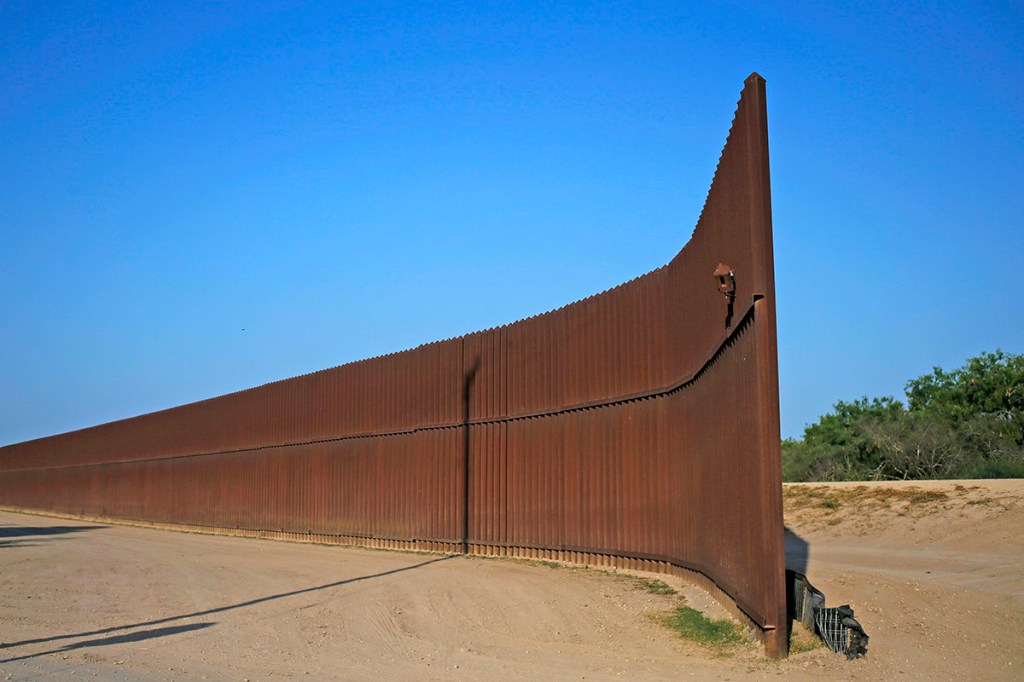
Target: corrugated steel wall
638	427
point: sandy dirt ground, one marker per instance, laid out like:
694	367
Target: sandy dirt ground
935	572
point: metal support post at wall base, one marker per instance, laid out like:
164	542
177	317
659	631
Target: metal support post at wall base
637	425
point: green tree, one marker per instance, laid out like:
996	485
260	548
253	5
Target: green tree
990	387
836	448
914	445
964	423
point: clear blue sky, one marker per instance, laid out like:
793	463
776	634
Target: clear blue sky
196	200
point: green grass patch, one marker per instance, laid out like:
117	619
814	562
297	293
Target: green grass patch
718	634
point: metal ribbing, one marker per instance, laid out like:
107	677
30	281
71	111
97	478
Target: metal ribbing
638	424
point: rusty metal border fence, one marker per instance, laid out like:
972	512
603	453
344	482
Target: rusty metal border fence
636	428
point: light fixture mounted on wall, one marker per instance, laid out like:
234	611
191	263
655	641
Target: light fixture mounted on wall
725	278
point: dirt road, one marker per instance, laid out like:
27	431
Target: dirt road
937	580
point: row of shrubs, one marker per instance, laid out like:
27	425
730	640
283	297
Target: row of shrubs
964	423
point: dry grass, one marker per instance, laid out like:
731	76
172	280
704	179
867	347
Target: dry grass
798	498
801	639
652	585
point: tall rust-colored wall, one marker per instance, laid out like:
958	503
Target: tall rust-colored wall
638	427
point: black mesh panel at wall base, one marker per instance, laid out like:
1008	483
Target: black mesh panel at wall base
835	625
840	631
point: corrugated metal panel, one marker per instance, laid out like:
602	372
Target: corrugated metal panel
640	424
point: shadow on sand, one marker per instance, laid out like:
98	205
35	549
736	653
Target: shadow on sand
163	632
139	636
